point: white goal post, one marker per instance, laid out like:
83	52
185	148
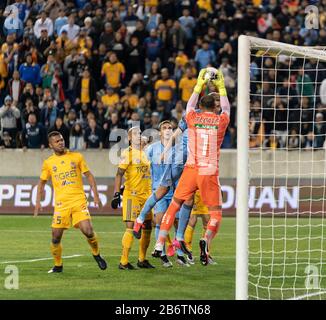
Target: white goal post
246	46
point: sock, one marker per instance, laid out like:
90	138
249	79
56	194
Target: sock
56	250
93	242
188	236
148	206
157	231
168	241
179	252
167	221
127	241
184	215
204	231
213	225
144	243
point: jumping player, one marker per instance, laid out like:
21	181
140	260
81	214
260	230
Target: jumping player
206	131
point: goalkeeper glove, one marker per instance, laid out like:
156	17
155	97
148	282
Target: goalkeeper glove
219	83
116	200
200	81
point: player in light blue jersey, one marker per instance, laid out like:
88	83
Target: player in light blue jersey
158	167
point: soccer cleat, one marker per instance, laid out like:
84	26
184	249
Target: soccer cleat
144	265
127	266
190	258
56	269
181	260
137	229
211	260
203	252
100	262
180	244
157	253
166	262
170	251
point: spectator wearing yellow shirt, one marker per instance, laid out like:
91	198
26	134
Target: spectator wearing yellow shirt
165	89
63	42
132	98
110	99
86	89
114	71
186	86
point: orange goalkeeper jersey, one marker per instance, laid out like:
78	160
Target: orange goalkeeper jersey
206	132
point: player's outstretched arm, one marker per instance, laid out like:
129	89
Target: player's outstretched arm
220	84
168	146
117	185
201	81
39	195
93	185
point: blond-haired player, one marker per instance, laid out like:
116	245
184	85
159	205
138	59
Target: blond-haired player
135	168
65	169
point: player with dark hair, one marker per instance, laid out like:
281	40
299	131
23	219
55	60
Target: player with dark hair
66	169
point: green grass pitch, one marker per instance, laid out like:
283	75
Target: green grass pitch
25	238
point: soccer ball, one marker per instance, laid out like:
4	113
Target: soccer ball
210	74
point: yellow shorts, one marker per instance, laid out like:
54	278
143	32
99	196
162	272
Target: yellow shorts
67	217
132	205
199	207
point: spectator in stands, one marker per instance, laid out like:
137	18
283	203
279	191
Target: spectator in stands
34	134
86	89
319	131
6	141
93	137
205	56
15	87
114	72
29	108
61	127
294	140
152	46
43	23
186	85
76	139
71	28
60	21
30	71
165	89
9	114
49	113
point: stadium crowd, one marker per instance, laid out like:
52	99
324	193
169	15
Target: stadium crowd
87	68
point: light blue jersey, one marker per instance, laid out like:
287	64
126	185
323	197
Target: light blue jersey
154	152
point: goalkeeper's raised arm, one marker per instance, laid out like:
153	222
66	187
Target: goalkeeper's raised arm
220	85
201	81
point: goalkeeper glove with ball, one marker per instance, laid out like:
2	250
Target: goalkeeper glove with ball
219	83
115	203
200	81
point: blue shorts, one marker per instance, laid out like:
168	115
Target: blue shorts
162	205
171	175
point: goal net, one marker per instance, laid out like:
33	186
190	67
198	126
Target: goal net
281	171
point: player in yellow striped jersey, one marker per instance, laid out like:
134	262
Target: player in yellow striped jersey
135	168
66	169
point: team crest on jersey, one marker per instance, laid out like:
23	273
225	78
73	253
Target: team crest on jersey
54	168
73	165
62	162
137	161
